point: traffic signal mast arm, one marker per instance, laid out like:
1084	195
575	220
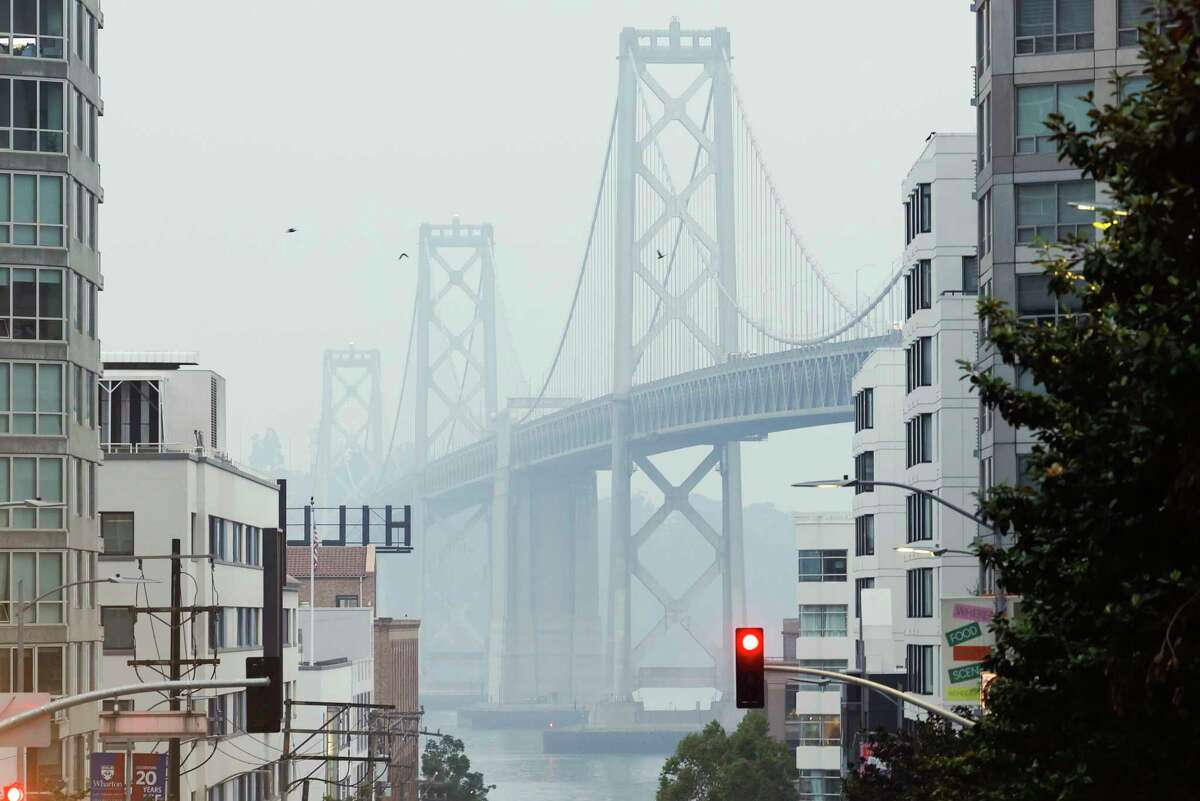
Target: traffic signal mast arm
915	700
69	701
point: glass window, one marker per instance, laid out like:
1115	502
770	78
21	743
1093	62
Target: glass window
1035	103
864	409
116	530
920	592
925	192
864	535
27	478
918	359
118	627
819	566
920	670
31	398
32	28
1131	16
822	620
1050	212
919	518
31	210
820	729
820	785
919	432
1130	85
29	575
864	472
1048	26
970	275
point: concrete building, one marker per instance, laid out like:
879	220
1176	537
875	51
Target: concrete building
823	639
1032	58
153	491
340	670
915	424
49	360
396	683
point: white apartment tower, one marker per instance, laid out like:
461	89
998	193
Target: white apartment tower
915	422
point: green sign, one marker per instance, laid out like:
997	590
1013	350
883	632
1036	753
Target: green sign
965	673
963	634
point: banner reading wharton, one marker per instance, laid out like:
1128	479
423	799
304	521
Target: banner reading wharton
108	776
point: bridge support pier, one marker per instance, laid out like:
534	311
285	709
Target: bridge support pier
545	639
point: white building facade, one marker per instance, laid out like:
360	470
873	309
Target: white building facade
342	669
824	640
916	423
153	492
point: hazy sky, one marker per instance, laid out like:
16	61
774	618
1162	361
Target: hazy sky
355	121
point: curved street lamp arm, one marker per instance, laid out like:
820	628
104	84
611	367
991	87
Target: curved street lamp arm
953	717
940	500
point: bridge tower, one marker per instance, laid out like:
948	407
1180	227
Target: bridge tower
649	112
456	403
350	436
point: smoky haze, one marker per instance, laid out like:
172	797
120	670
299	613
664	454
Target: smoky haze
356	121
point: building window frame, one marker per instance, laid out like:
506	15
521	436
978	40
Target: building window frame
820	730
32	419
864	409
919	667
1032	136
920	592
864	535
48	571
864	472
822	566
918	362
918	517
823	620
29	314
1054	39
1067	220
114	641
919	439
16	480
45	226
45	130
46	41
118	519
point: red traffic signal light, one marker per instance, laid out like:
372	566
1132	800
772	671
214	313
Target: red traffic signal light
14	792
748	664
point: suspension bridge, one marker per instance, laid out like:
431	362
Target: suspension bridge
698	321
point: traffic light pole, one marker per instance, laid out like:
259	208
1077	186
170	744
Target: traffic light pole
173	750
847	678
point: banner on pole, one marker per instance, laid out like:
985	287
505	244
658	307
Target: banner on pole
149	777
108	776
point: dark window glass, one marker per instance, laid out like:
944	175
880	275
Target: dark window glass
118	627
116	529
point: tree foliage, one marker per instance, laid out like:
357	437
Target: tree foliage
917	765
744	766
1098	688
447	772
266	451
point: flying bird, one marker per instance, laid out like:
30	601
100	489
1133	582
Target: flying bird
291	230
660	254
402	257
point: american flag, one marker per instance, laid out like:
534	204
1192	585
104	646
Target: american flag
316	539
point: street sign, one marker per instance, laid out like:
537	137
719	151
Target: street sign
108	776
159	724
31	734
149	777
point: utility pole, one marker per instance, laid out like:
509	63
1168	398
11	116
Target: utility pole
176	655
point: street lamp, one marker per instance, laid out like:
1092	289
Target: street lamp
934	551
25	606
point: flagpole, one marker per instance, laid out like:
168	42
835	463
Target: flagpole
312	589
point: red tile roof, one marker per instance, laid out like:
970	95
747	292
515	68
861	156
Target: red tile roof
333	561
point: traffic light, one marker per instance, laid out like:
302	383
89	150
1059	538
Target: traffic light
264	705
751	686
14	792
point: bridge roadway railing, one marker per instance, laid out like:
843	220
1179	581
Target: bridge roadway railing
745	397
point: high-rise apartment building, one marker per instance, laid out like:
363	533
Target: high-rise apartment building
49	361
915	424
1034	57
